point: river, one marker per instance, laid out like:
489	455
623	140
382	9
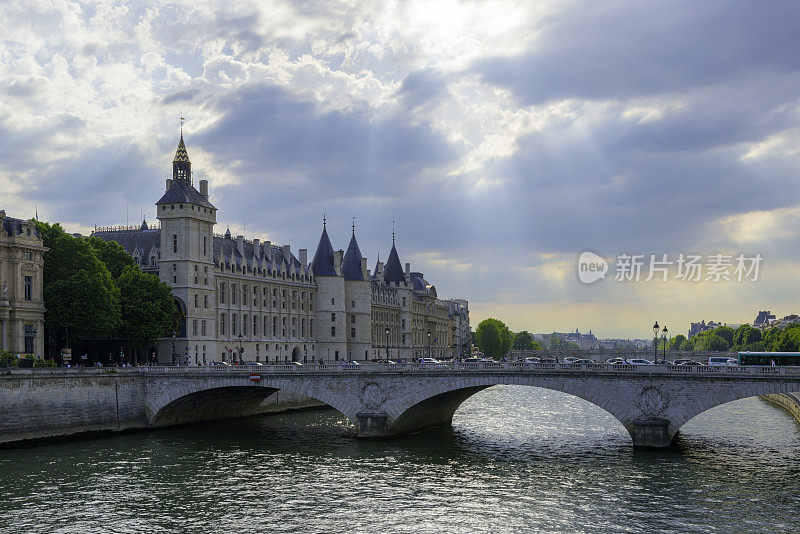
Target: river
517	459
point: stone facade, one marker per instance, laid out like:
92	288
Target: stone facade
255	301
21	294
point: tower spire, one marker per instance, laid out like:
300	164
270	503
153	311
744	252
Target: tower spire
324	222
181	166
392	232
354	226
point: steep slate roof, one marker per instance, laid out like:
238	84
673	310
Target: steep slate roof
13	226
351	265
323	257
182	191
393	272
226	250
144	242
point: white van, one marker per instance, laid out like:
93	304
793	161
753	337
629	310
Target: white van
723	361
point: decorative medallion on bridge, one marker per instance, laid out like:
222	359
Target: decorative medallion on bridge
373	395
653	401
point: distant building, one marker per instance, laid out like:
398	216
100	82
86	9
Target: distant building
702	326
21	298
763	318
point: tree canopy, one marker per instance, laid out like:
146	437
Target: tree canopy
524	341
493	337
146	304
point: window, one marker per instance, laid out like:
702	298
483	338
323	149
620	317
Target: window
352	319
311	328
255	325
205	246
152	261
353	304
222	293
222	324
194	327
265	331
203	330
274	326
28	288
333	317
353	333
27	255
205	301
233	324
333	331
196	296
332	301
244	325
174	274
175	243
233	294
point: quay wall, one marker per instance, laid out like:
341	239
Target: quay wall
41	404
788	401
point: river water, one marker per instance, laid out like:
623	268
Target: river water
517	459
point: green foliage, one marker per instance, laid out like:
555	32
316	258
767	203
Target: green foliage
558	343
147	306
493	337
524	341
8	360
726	333
771	338
79	292
38	362
49	232
711	341
112	255
537	346
676	342
789	340
687	345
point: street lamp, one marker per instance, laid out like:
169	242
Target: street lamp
386	331
655	341
241	349
665	333
174	335
429	343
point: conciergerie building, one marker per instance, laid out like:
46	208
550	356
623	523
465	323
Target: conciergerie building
255	298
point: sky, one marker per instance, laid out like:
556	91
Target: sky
503	139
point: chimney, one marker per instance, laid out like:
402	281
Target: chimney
379	269
267	246
364	270
240	244
204	188
257	248
337	258
287	251
304	257
408	273
169	184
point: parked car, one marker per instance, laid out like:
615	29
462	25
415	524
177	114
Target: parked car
221	364
533	360
723	361
471	360
583	360
429	360
548	360
293	363
254	363
616	361
664	362
569	359
640	361
689	362
681	362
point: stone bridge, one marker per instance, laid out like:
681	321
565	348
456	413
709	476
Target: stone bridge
652	402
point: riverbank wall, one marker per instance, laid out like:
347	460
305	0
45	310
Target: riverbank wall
788	401
42	404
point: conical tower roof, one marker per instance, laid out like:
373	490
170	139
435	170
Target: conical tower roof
393	272
323	257
181	154
351	265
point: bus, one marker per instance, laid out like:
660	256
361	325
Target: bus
766	358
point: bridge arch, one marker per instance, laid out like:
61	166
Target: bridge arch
436	405
209	399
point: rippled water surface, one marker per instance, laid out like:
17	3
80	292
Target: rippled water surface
517	459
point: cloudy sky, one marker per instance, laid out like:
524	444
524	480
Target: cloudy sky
504	138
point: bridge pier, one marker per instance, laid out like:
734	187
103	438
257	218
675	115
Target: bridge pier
372	424
651	433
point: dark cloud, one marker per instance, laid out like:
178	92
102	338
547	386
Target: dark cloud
617	50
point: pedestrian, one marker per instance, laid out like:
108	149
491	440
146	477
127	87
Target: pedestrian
773	363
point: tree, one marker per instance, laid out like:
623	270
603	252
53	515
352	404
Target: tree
713	342
81	297
524	341
112	255
789	340
687	345
676	342
726	333
771	338
146	305
493	337
8	360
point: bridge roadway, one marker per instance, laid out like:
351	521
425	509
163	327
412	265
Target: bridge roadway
651	401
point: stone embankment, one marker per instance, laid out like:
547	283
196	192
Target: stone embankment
788	401
42	404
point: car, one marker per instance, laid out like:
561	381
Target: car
689	362
488	360
548	360
583	360
569	359
640	361
293	363
429	360
220	364
254	363
351	362
722	361
471	360
533	360
616	361
664	362
681	362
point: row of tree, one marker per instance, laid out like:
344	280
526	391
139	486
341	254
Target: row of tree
94	290
743	338
495	339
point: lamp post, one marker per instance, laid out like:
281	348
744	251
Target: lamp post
241	349
429	343
655	342
664	353
174	335
386	331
